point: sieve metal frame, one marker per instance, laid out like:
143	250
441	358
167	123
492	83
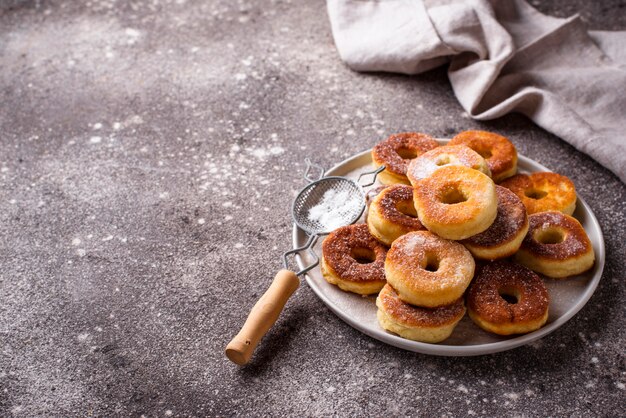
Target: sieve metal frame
313	236
312	185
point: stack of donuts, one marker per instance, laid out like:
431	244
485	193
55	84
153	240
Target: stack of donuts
455	228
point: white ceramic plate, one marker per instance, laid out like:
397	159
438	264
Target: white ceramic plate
567	297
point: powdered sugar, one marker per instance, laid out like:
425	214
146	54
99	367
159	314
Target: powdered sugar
412	243
335	209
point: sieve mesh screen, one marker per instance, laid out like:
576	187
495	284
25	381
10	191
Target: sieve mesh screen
344	212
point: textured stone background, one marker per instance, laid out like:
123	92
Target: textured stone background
149	154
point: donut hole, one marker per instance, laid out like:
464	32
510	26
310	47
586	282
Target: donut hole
407	153
510	299
432	263
511	296
452	196
406	207
363	255
484	152
550	236
535	194
442	160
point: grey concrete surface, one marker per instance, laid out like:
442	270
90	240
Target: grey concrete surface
149	154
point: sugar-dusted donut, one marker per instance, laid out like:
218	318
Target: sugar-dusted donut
505	235
431	325
392	214
544	191
556	245
430	161
456	202
506	298
427	270
396	151
354	260
497	150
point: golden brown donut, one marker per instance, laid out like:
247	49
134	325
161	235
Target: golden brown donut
395	152
427	270
430	161
541	192
430	325
354	260
506	298
556	245
456	202
499	152
505	235
392	214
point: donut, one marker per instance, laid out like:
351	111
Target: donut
542	192
427	270
430	161
354	260
497	150
430	325
506	298
395	152
392	214
456	202
372	193
556	245
505	235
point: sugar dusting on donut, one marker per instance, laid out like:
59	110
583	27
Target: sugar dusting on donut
477	187
556	192
421	168
575	242
337	248
484	296
509	221
386	152
409	253
503	159
412	245
388	205
416	315
447	155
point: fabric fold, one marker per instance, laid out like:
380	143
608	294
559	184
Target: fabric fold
505	56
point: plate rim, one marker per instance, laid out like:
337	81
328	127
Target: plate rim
463	350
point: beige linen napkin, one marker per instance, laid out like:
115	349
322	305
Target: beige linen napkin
504	57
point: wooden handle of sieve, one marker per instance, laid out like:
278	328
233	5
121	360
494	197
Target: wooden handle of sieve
262	316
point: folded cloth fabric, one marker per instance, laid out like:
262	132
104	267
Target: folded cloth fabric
504	56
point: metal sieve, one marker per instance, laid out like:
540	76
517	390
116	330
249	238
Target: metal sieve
265	312
313	194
